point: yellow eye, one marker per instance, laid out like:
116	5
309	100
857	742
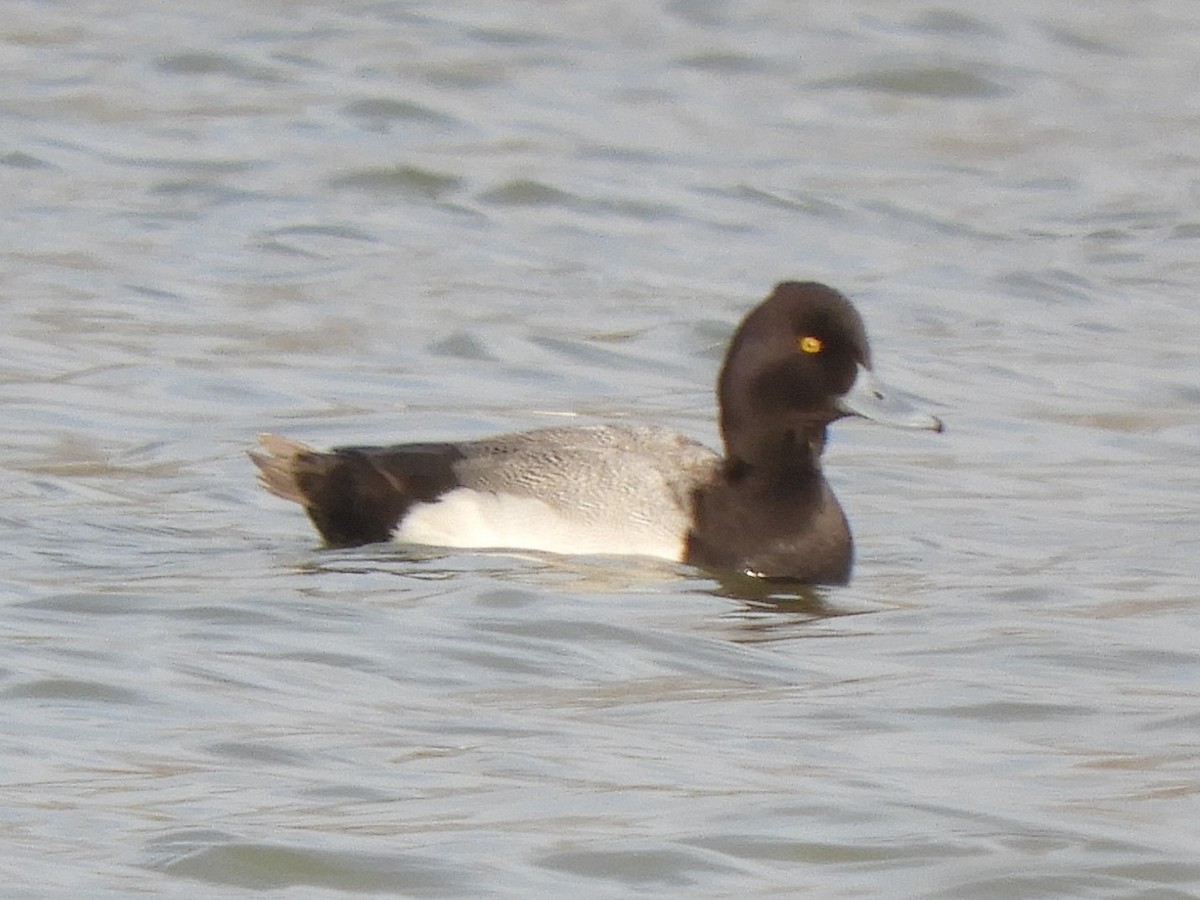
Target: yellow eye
809	344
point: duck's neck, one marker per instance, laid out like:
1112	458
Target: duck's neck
782	456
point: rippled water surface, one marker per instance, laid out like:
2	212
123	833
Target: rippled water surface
380	221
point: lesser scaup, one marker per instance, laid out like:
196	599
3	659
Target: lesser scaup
797	362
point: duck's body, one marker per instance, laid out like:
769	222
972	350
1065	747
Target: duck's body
797	362
619	489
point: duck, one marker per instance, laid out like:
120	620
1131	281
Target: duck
798	361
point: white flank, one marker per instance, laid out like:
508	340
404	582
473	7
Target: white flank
468	518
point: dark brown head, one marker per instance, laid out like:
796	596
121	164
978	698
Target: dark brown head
798	361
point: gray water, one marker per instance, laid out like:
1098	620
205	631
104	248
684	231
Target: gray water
406	221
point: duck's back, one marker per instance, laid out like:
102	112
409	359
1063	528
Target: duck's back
611	489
